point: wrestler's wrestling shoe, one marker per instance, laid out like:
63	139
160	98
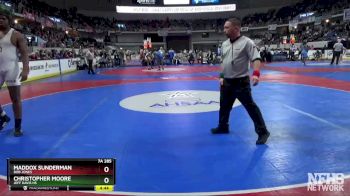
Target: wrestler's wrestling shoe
18	133
4	120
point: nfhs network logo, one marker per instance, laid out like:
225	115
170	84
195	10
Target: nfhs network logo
333	182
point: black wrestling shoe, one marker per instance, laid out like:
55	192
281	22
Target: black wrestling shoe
18	133
220	130
4	120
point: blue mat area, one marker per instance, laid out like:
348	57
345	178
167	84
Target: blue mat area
314	64
176	152
344	76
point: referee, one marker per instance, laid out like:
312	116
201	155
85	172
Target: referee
237	53
90	58
337	51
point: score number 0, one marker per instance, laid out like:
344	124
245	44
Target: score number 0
106	170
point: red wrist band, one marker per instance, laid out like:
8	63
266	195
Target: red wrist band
256	73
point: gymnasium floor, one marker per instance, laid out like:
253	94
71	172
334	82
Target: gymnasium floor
157	126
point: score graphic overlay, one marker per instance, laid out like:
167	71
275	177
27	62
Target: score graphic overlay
61	174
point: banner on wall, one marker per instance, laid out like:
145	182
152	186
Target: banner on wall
293	24
318	20
329	54
43	69
68	65
244	29
346	14
272	27
47	68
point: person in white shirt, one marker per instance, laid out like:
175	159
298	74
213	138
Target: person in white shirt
90	58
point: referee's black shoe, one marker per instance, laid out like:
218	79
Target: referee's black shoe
263	138
220	130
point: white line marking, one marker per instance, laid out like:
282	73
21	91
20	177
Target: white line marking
314	117
71	130
58	92
282	82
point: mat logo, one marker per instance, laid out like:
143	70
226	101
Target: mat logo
187	101
183	99
333	182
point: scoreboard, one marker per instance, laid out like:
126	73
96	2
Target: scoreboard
61	174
